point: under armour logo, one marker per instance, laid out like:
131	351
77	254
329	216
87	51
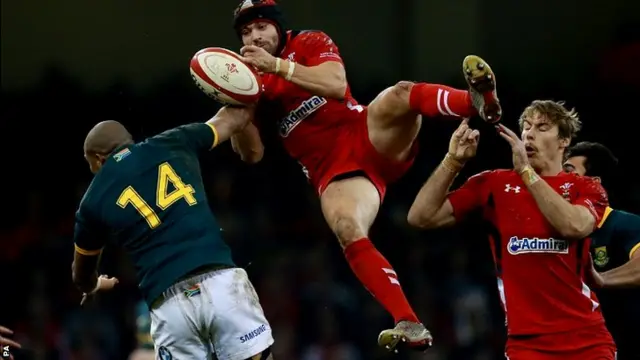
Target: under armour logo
515	189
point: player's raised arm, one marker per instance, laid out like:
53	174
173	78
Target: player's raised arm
627	230
432	207
220	128
248	144
319	70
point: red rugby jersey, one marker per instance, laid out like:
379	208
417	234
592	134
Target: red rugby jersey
540	275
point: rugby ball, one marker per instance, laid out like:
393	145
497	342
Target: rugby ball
222	75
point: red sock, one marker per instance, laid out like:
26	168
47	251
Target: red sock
438	100
377	276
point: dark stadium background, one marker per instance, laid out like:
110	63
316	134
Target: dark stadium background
69	64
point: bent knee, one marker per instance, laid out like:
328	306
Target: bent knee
402	89
347	230
393	102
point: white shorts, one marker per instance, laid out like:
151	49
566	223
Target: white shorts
217	313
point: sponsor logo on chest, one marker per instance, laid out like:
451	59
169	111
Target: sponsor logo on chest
306	108
517	246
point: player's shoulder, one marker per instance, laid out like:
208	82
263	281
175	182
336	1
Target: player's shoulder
580	180
623	216
309	37
495	174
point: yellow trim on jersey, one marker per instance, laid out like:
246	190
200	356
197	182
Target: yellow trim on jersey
84	252
633	250
606	214
215	135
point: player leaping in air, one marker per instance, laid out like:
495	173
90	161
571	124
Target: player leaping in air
149	198
349	152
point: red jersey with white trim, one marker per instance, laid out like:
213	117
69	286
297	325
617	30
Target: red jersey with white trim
540	275
306	122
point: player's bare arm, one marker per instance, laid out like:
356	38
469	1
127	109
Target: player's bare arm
88	244
628	274
431	208
625	276
230	120
248	144
571	221
327	79
84	271
235	123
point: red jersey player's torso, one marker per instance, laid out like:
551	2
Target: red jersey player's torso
305	122
540	275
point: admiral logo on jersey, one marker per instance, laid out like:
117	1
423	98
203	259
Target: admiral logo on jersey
535	245
300	113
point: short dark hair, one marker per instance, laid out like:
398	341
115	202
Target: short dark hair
599	160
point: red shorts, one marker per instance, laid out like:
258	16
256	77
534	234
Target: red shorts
349	150
589	343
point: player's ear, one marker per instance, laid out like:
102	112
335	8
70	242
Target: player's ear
565	142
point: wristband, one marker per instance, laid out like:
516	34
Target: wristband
452	165
292	67
278	64
529	176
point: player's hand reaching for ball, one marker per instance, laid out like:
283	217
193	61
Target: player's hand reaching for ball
518	150
464	142
258	58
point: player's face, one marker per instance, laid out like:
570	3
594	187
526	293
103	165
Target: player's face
575	165
261	33
542	141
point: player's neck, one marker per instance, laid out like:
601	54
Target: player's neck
549	168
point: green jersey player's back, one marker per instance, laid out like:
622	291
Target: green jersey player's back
149	198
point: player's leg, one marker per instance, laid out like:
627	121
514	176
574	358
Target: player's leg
238	328
174	330
393	117
350	206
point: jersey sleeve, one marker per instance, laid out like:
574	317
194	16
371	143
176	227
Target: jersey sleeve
592	195
472	195
197	136
88	236
627	230
318	48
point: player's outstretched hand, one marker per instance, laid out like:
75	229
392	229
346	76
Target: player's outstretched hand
8	342
104	283
258	58
518	151
464	142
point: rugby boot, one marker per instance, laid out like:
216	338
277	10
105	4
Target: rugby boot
482	88
406	334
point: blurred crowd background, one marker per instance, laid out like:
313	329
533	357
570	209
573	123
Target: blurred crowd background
67	65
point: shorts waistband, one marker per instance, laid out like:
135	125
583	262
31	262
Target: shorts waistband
196	276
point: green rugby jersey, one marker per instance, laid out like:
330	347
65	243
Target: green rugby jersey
615	241
149	198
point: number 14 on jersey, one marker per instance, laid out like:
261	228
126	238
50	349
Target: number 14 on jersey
166	176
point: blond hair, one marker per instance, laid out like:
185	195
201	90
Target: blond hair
568	122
